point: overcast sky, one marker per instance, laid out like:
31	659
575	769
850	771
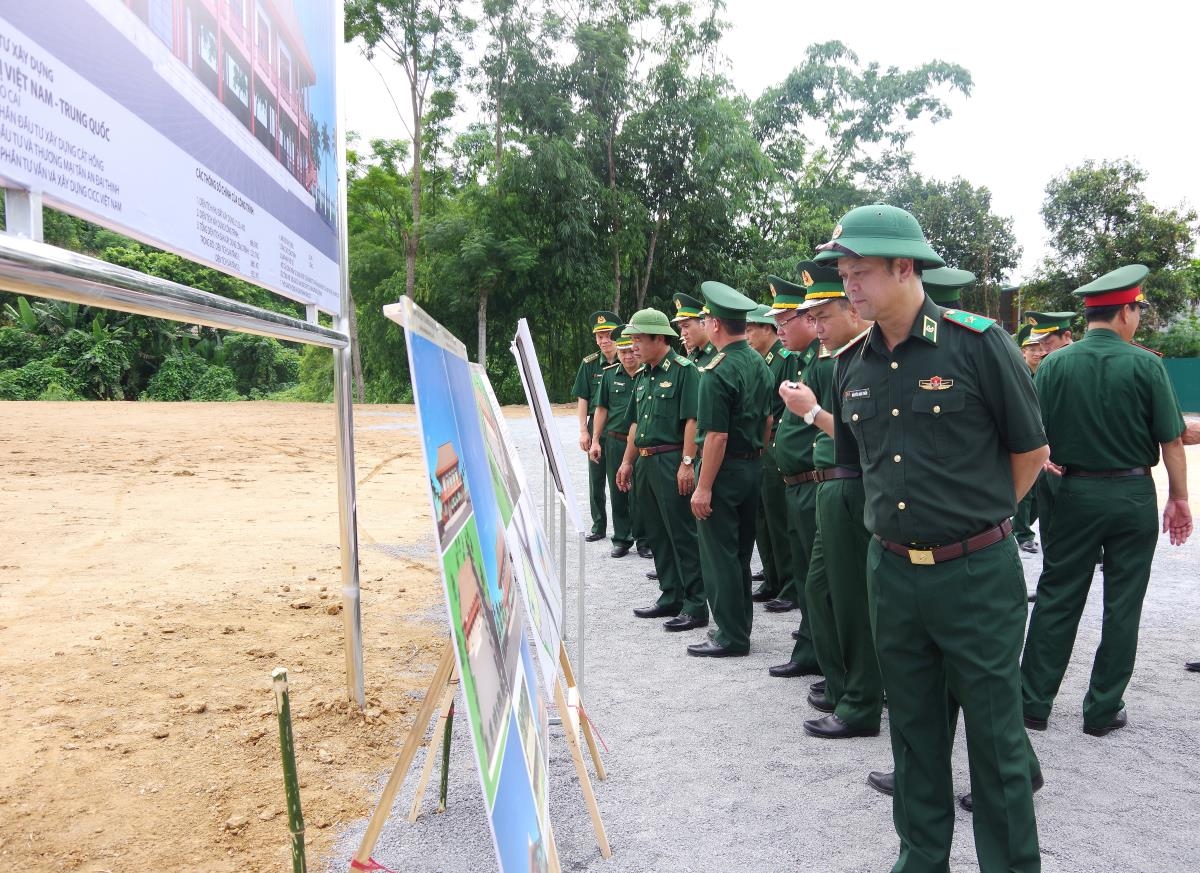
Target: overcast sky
1056	83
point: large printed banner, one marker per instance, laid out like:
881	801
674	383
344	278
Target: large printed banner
480	511
206	127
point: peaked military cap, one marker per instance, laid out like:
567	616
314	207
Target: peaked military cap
1026	337
879	231
604	320
785	295
619	339
761	315
821	284
649	321
945	285
725	302
1042	323
687	306
1122	285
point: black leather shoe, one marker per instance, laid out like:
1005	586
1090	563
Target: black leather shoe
1028	546
592	538
795	634
761	595
780	605
821	703
1035	724
884	783
968	803
760	576
619	551
683	622
833	728
789	670
817	687
644	552
709	649
651	575
1194	666
656	611
1119	721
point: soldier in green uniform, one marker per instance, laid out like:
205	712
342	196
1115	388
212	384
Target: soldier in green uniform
1109	410
836	587
945	584
1027	509
658	467
793	447
771	534
689	319
610	432
732	422
586	388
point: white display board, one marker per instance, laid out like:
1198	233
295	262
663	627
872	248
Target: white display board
206	129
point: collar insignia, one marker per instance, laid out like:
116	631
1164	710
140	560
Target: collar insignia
929	329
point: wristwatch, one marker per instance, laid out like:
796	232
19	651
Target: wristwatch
687	460
811	415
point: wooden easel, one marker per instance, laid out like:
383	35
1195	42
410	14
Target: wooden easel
440	698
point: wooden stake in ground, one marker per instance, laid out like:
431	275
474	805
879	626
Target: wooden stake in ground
291	783
573	718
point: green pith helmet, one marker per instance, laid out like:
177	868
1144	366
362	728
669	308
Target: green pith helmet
821	284
604	320
1122	285
785	295
1042	323
619	339
649	321
945	285
725	302
687	306
761	315
879	231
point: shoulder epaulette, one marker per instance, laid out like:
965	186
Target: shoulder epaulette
1147	348
858	339
711	365
610	366
684	362
969	320
592	357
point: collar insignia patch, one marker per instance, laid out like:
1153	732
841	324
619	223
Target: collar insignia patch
929	329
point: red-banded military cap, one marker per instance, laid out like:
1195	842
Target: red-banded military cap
1122	285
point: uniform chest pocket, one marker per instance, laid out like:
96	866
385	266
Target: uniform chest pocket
665	398
936	418
859	414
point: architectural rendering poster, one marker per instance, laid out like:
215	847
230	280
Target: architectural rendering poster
499	680
526	540
539	402
207	128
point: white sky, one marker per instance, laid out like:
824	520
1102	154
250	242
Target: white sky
1056	83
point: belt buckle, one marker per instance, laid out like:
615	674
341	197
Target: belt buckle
923	557
645	453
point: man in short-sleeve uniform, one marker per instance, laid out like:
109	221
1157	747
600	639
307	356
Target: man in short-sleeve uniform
657	465
733	417
689	321
586	389
946	588
1109	409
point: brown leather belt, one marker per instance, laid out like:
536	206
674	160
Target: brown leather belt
647	451
941	554
1106	474
822	475
621	435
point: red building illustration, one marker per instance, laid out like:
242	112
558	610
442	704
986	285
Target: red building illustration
449	489
252	56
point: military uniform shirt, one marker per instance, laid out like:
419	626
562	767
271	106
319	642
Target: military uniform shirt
935	420
664	399
616	395
819	377
702	356
1107	404
794	439
587	379
777	362
735	398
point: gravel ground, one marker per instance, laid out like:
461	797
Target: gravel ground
709	768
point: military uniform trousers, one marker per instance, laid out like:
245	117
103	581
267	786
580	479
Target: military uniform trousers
627	527
726	544
1045	490
802	531
1120	515
1027	514
844	540
955	626
818	614
596	477
670	527
771	534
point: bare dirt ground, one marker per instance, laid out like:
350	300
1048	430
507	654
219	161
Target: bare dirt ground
158	561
